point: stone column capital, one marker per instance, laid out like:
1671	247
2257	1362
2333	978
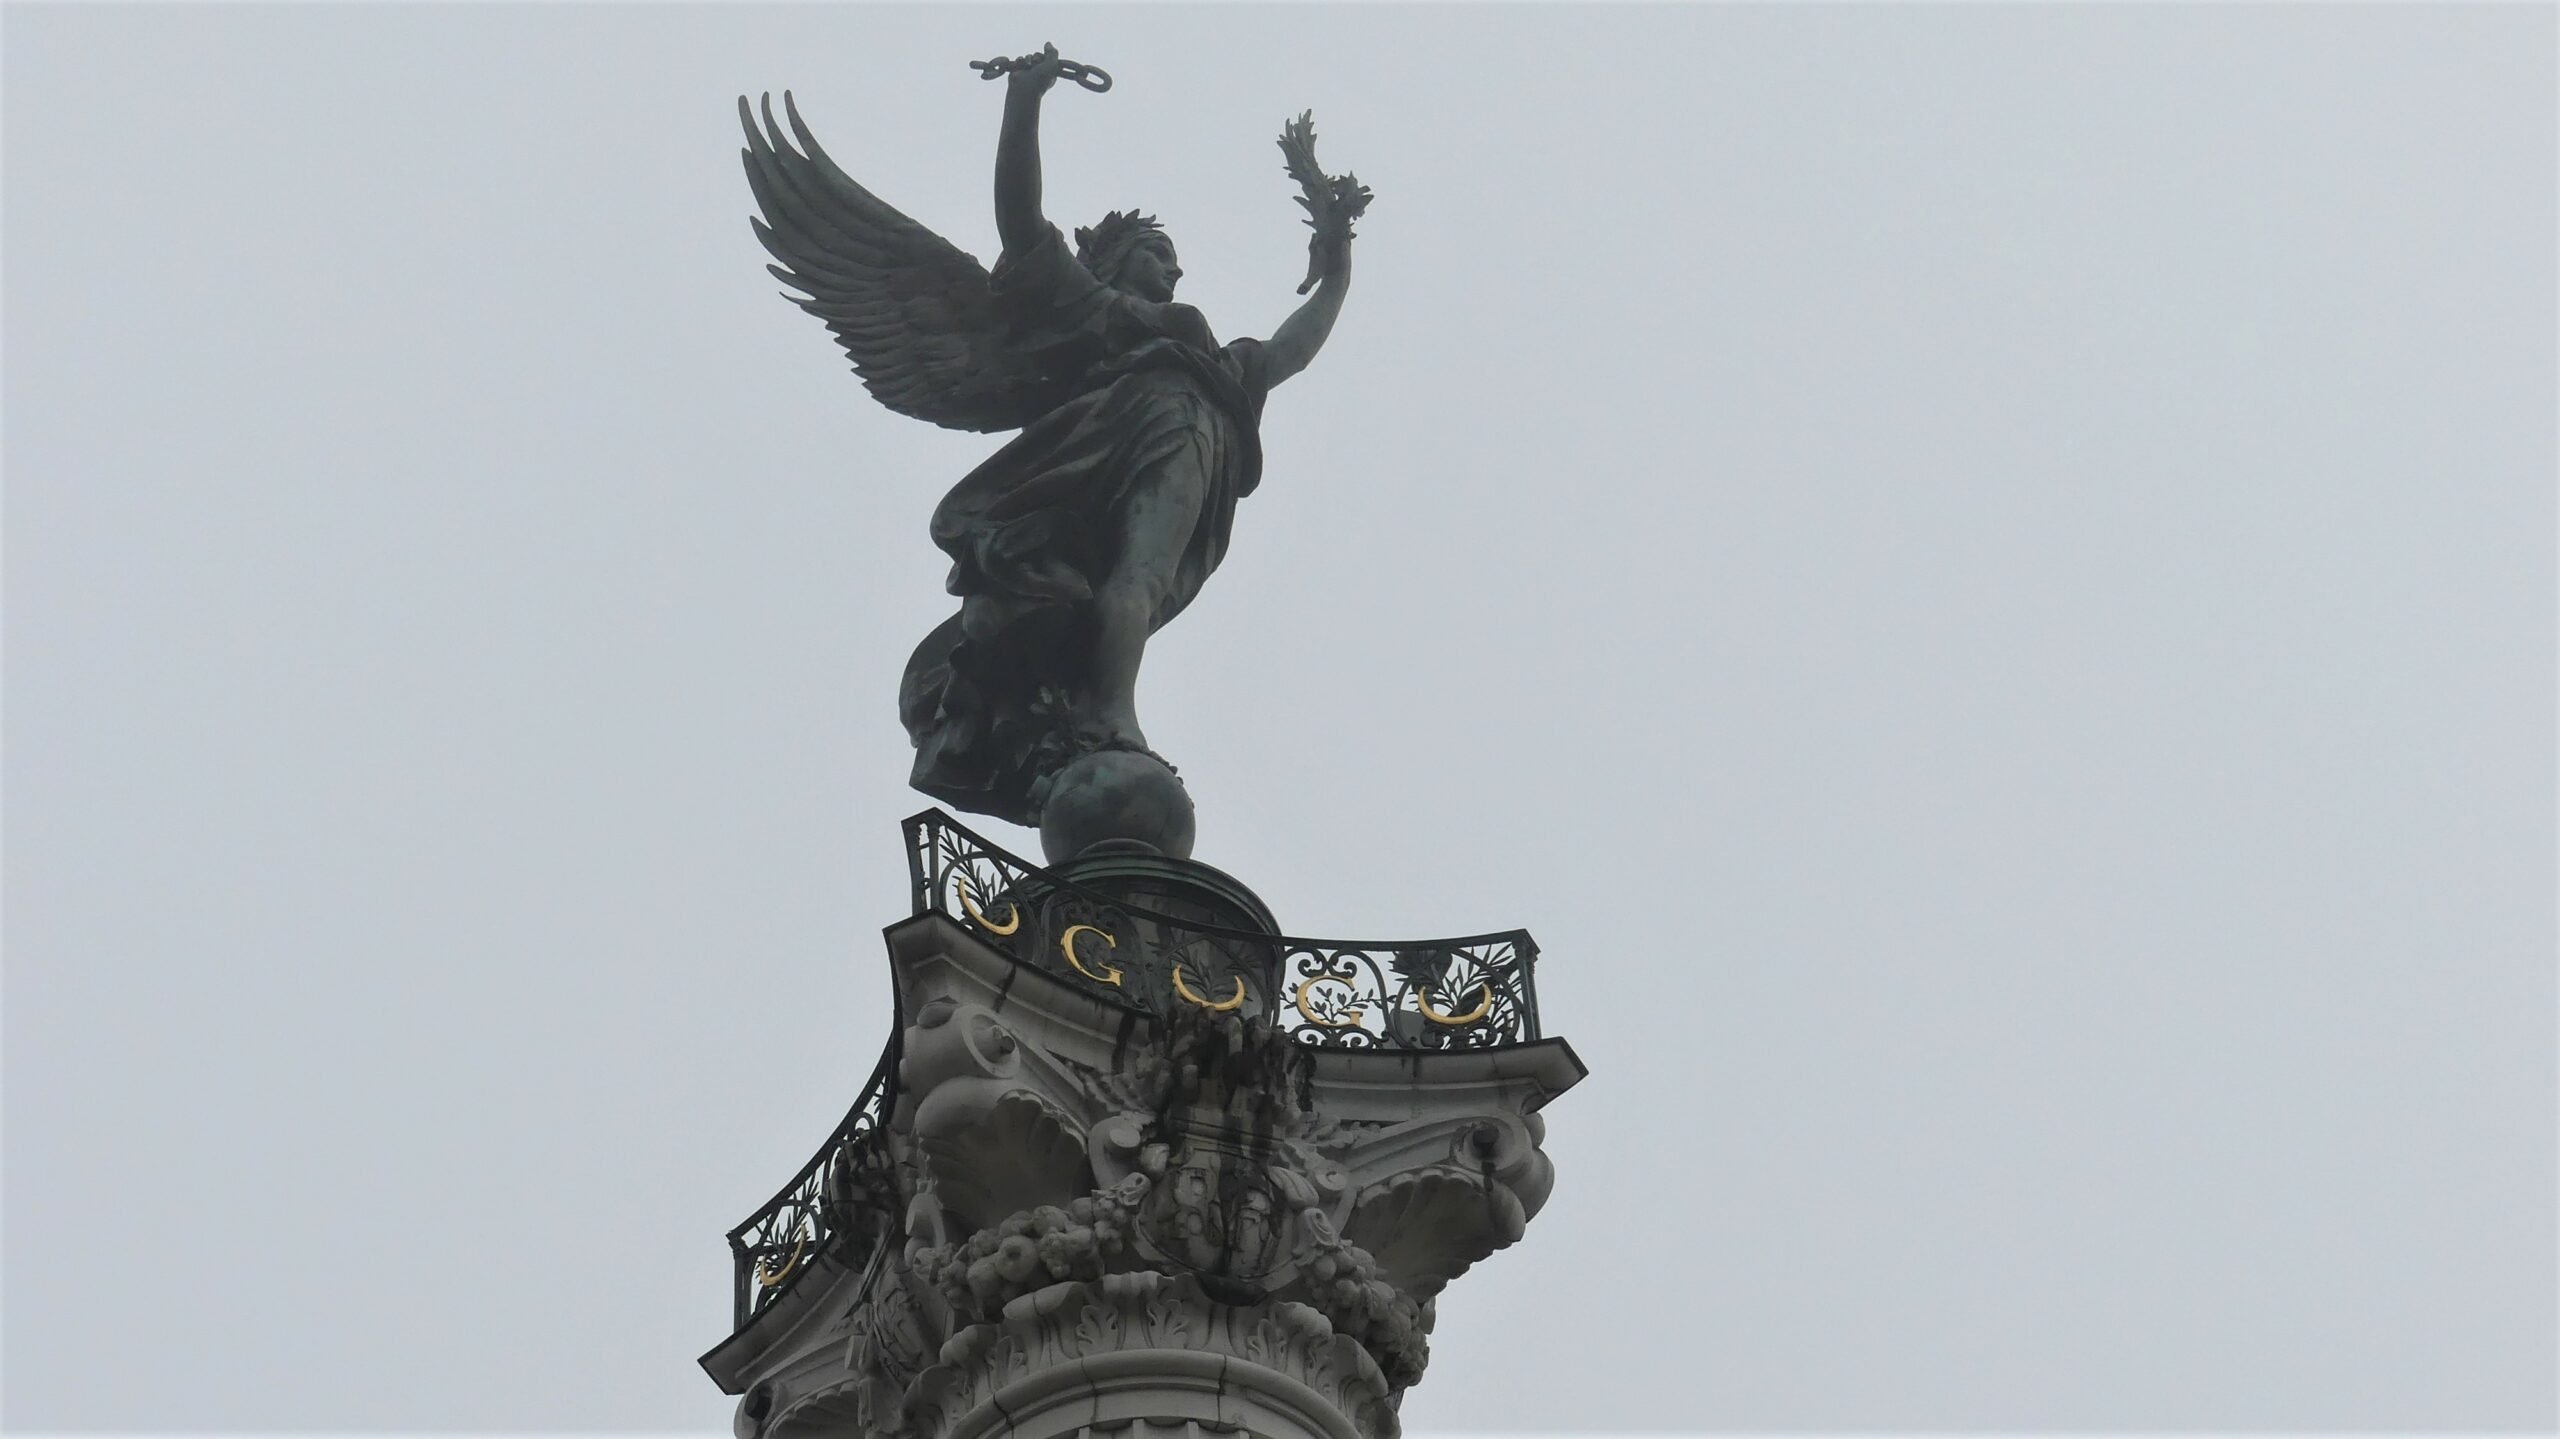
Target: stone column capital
1068	1212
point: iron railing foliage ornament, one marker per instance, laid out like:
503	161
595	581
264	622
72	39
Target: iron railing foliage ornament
1469	993
842	1203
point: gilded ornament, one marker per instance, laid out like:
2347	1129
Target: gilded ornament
1228	1005
969	903
1356	1010
1422	999
1067	946
770	1278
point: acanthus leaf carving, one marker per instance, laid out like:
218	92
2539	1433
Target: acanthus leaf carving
1169	1319
1097	1328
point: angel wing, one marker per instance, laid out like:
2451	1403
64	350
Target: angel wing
916	313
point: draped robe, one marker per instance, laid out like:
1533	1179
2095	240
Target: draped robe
1148	397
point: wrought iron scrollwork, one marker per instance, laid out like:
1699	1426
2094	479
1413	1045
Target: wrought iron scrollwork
1440	994
841	1203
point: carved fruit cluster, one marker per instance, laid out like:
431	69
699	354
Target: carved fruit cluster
979	1275
1342	1281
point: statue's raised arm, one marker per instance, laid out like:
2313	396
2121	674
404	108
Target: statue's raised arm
1100	522
1332	202
1019	222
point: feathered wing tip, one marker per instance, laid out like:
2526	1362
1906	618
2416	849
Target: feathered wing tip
916	314
818	221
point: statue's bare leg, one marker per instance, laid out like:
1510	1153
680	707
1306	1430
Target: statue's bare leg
1158	516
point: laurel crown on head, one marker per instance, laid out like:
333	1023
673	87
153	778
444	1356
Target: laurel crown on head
1102	246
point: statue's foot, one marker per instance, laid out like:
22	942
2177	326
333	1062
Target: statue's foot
1111	729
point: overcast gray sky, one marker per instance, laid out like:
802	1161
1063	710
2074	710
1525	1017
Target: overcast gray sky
1982	577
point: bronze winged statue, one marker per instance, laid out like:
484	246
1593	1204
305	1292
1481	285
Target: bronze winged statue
1097	523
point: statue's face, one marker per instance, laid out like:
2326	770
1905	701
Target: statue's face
1150	271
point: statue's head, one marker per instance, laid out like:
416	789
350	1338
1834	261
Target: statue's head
1130	252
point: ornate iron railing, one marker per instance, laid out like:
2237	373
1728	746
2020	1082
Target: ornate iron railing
843	1201
1437	994
1440	994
